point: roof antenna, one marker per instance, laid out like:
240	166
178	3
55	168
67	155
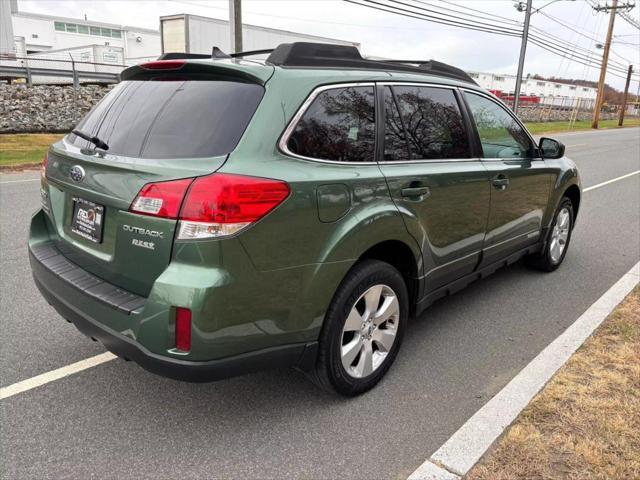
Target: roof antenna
217	53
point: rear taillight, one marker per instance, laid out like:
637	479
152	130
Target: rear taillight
222	204
162	199
217	205
183	329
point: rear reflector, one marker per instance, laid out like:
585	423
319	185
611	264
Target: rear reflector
183	329
217	205
163	65
43	167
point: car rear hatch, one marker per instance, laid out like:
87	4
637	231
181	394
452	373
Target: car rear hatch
167	120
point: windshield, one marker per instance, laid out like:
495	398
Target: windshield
171	118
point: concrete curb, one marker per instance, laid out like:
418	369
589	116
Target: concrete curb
466	446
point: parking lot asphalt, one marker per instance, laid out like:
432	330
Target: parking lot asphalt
118	421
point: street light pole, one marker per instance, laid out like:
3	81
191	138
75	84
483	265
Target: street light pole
523	51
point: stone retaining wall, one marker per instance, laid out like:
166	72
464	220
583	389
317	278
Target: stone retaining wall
46	108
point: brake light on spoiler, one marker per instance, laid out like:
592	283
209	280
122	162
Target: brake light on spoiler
214	206
163	65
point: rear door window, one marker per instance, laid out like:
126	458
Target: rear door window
172	119
339	125
433	125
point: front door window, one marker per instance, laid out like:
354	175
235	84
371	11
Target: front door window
500	135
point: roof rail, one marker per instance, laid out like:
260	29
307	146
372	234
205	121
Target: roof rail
306	54
251	52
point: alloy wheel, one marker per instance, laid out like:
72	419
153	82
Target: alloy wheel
370	331
560	235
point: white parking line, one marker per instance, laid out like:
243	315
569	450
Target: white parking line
57	374
53	375
20	181
593	187
466	446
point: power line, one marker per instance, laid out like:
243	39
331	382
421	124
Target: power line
457	21
483	15
308	20
560	49
629	19
552	41
418	16
552	46
585	36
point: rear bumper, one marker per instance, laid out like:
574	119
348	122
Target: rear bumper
63	295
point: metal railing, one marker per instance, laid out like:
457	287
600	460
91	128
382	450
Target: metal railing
13	67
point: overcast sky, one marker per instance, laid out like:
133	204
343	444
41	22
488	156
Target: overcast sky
388	35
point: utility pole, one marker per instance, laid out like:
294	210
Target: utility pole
523	51
624	97
603	66
235	25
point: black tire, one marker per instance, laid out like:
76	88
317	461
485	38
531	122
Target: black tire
544	260
329	372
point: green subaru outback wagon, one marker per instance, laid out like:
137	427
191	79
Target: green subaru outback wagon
216	216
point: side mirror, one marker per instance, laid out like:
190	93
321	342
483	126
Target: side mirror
550	148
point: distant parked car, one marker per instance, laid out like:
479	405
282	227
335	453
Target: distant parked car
217	216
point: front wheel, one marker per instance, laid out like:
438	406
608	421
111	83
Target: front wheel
363	329
557	244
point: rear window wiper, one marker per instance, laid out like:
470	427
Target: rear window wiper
95	140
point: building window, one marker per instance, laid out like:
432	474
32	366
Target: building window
86	30
474	75
540	84
572	87
558	86
499	79
584	89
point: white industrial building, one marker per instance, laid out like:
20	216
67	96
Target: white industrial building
49	36
549	91
195	34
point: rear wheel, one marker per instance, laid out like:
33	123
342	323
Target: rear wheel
558	242
363	329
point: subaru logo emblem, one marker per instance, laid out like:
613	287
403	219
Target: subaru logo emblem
76	173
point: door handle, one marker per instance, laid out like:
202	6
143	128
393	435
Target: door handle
415	192
500	182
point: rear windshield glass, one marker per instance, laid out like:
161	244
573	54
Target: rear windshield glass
172	119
